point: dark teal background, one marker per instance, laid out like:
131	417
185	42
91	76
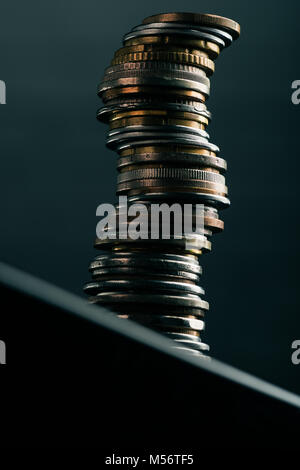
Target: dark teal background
55	168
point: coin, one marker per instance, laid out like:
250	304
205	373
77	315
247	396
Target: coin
125	272
164	158
157	260
196	60
144	285
197	18
155	73
186	300
155	121
197	243
130	106
169	184
172	173
152	91
221	40
171	322
188	341
161	41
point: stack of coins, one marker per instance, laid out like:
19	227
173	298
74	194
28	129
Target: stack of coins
154	94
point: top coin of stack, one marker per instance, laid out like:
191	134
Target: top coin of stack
154	95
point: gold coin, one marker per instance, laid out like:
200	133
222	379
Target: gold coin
166	148
178	57
204	19
167	188
148	90
158	48
199	44
155	121
171	248
159	113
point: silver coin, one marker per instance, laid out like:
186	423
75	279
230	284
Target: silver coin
187	300
218	32
198	345
104	113
172	139
126	272
156	101
184	336
161	81
192	197
120	141
161	265
130	309
158	183
173	157
156	66
143	285
155	69
146	257
171	321
146	130
172	173
175	32
148	201
190	352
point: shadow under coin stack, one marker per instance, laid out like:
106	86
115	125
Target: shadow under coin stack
154	96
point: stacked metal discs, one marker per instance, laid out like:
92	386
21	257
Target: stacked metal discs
154	94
